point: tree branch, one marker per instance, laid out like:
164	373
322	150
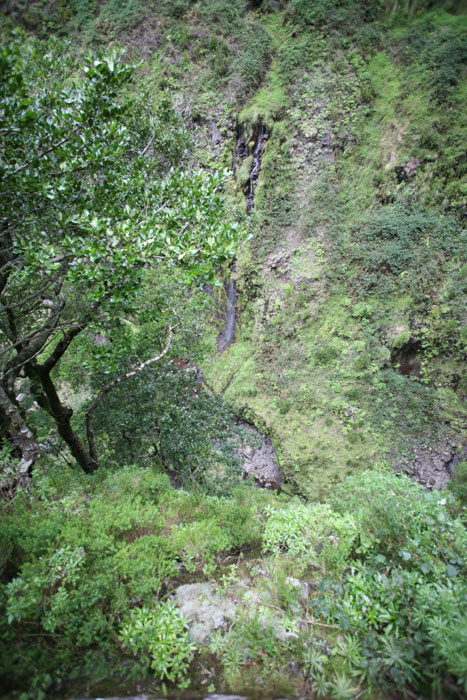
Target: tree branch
19	436
111	385
146	148
62	347
48	150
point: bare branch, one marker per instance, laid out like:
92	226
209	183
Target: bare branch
62	346
148	145
111	385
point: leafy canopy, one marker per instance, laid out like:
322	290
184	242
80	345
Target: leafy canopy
91	196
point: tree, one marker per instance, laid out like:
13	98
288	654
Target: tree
91	197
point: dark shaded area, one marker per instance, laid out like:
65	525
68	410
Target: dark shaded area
407	359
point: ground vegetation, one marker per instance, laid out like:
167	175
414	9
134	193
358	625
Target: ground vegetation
349	350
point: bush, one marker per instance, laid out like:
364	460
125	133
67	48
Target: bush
458	485
409	631
397	240
80	552
309	532
225	14
446	60
401	524
343	15
252	63
402	601
159	637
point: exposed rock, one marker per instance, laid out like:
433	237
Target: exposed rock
327	139
406	356
460	456
227	335
279	260
206	609
431	464
100	339
302	585
261	463
216	136
407	171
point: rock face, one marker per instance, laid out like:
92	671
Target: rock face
261	463
205	608
431	464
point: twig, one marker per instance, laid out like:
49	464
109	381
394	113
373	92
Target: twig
145	149
300	619
111	385
48	150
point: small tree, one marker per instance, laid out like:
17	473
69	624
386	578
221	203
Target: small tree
90	197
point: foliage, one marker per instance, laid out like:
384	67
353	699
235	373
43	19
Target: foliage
250	642
252	63
397	239
401	640
342	15
222	14
160	638
307	531
441	52
81	552
408	551
90	199
165	415
458	485
399	523
355	253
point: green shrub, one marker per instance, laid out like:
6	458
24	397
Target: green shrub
409	631
79	552
343	15
252	63
160	639
401	524
121	15
250	641
458	485
174	8
447	61
308	532
225	14
393	243
403	598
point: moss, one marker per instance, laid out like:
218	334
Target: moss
269	102
311	364
243	172
400	340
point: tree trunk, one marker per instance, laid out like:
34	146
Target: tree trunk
62	417
25	446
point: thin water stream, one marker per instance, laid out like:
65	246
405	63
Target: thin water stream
243	150
261	138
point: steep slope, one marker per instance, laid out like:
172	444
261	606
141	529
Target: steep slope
352	288
350	314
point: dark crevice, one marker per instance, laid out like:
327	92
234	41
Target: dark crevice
408	358
249	142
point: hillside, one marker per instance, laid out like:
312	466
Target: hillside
335	325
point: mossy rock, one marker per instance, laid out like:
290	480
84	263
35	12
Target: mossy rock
400	340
